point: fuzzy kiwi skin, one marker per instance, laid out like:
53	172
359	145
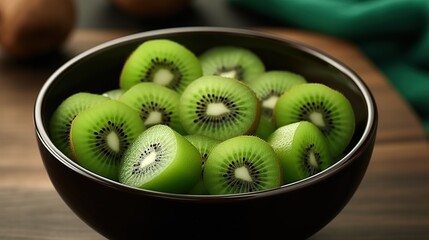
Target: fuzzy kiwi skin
291	143
182	171
236	90
233	155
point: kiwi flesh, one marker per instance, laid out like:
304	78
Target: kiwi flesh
100	135
156	104
322	105
161	159
64	114
242	164
219	107
233	62
114	93
268	88
162	61
204	146
302	148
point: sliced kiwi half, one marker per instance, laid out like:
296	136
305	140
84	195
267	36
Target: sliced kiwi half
156	104
219	107
322	105
204	146
242	164
100	135
161	61
64	114
268	87
302	148
161	159
233	62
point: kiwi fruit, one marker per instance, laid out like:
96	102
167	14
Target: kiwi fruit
322	105
231	61
155	103
204	146
100	135
64	114
268	88
114	93
161	61
161	159
219	107
302	148
242	164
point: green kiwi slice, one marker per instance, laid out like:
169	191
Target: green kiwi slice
100	135
268	88
162	61
204	146
219	107
161	159
60	122
233	62
114	93
155	103
302	148
242	164
322	105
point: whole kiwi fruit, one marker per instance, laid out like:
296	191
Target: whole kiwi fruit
37	27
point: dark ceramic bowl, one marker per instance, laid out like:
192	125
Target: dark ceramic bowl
293	211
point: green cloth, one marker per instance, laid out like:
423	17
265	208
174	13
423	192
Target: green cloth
394	34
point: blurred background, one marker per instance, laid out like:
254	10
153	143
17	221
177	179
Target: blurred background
393	34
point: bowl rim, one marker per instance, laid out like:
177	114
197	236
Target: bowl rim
370	125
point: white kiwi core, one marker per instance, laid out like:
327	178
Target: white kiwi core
154	117
112	140
229	74
216	109
149	159
163	77
317	119
270	102
243	174
312	161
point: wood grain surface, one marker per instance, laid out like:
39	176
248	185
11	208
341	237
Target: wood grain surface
392	201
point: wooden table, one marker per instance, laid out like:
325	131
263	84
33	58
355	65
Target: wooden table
391	203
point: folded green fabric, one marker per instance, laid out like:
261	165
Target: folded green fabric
394	34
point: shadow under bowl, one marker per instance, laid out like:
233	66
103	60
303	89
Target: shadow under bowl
296	211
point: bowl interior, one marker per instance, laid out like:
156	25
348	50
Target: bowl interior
97	70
